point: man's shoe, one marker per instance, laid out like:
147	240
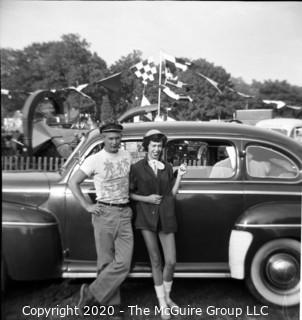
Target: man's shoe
85	298
65	303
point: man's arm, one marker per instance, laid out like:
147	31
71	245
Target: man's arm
74	185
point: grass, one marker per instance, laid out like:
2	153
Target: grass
205	294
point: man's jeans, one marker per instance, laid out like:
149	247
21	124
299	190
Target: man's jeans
114	247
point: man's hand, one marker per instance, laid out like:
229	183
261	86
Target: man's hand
154	198
93	208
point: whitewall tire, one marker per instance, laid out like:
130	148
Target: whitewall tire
274	273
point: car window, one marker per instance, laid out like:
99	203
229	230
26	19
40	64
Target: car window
75	152
205	159
263	162
98	147
134	147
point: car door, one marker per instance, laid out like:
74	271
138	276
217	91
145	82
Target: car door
208	202
79	237
271	175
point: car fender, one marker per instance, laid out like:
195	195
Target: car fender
258	225
31	242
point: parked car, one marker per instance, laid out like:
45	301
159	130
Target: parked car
238	210
288	126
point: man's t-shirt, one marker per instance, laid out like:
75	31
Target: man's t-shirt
110	172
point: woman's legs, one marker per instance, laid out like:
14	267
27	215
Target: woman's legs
154	254
168	244
152	245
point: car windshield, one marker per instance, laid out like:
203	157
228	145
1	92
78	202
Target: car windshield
75	151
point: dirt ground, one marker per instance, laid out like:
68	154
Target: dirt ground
214	299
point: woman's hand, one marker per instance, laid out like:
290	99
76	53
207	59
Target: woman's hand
182	170
154	198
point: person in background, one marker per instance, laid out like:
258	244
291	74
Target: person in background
226	167
153	188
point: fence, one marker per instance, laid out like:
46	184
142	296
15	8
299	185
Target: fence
10	163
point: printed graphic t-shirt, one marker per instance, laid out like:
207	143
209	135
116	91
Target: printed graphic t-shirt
110	172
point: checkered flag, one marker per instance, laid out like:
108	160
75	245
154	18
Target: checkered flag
145	70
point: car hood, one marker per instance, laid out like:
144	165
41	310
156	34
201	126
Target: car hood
29	188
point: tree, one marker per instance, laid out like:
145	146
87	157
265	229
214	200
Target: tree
281	90
52	65
208	102
269	90
69	62
241	86
107	111
131	86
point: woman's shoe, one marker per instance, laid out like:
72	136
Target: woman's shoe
172	304
165	313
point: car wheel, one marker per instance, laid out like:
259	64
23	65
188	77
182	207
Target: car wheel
274	273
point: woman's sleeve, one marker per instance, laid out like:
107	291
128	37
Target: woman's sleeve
133	180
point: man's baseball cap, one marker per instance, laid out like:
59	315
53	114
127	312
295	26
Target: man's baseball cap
111	127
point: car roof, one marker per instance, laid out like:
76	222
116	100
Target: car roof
220	129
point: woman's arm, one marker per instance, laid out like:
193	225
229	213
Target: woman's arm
152	198
181	171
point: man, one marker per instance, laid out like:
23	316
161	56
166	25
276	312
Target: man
111	216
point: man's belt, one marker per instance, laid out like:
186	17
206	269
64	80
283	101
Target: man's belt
120	205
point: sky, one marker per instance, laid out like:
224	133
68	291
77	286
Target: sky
251	40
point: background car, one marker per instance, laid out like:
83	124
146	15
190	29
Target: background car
238	210
289	126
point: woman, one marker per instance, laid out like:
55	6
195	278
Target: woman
153	187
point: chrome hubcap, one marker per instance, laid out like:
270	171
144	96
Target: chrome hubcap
282	271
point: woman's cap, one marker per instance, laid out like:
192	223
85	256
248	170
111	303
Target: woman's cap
153	132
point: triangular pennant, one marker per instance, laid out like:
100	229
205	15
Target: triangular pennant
176	96
212	82
112	82
145	101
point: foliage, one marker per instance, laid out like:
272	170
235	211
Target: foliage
281	90
107	112
269	90
69	62
208	102
131	87
51	65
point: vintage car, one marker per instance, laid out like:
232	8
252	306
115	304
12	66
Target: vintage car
291	127
238	210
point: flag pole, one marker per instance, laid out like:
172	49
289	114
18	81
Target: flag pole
159	85
144	89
